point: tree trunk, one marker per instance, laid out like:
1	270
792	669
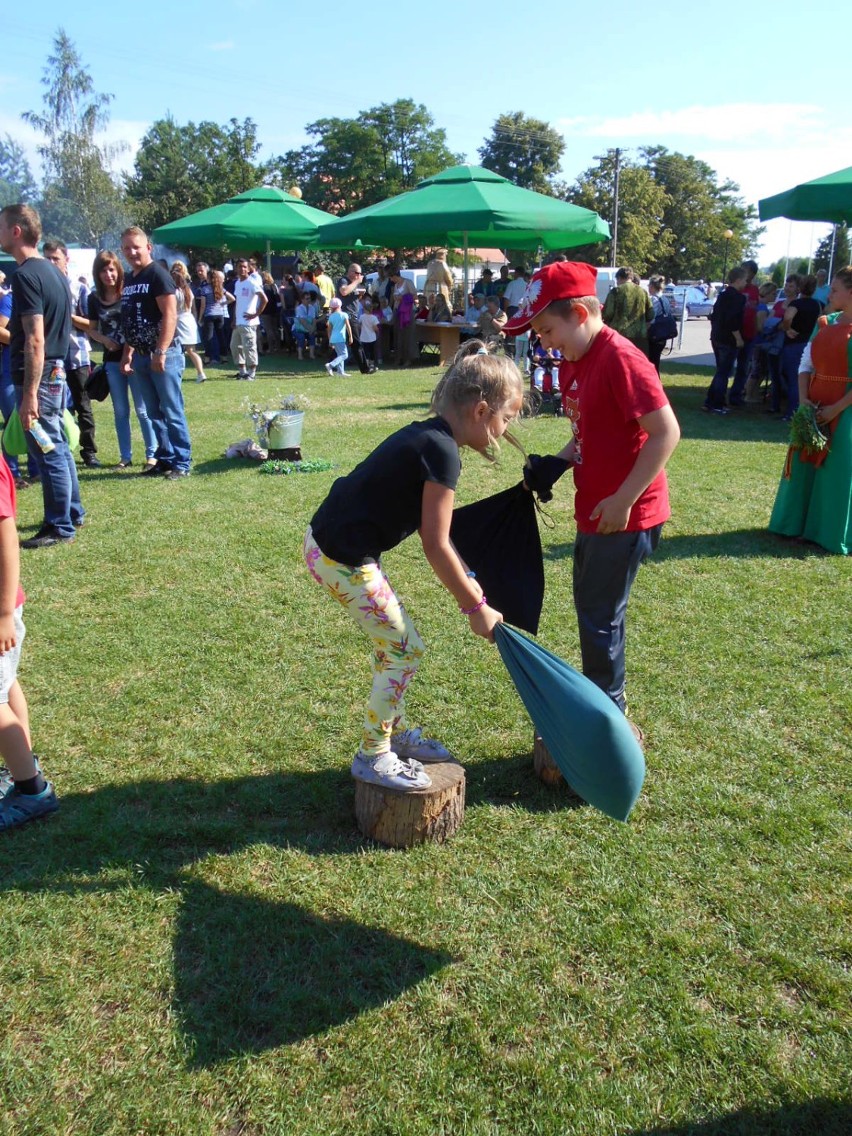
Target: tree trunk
400	819
546	768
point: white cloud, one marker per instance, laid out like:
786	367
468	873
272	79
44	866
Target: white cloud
222	45
730	123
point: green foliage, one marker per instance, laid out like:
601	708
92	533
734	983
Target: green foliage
698	212
16	180
525	150
81	200
805	431
642	241
842	258
355	162
182	169
279	466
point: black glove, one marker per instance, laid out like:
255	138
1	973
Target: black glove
542	473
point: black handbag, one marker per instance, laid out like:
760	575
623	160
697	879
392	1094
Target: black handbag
664	325
97	387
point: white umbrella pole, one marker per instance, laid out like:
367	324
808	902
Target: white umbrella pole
831	252
464	297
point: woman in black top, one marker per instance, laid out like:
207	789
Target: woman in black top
105	328
271	315
798	325
726	326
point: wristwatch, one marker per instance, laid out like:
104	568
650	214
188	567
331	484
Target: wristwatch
159	351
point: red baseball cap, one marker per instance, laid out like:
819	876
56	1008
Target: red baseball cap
565	280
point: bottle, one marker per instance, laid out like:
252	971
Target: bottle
41	437
57	372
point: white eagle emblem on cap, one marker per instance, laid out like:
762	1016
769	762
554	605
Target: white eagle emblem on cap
530	296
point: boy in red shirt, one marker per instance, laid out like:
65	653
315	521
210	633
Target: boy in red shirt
624	431
24	793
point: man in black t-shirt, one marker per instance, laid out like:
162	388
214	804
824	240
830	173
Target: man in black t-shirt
40	330
153	354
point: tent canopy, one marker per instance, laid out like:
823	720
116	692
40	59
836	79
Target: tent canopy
265	217
466	206
826	198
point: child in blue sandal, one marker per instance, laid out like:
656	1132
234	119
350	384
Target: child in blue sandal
405	485
24	793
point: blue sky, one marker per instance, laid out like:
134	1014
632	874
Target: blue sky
749	89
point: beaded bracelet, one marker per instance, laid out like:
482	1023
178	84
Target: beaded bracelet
471	610
471	575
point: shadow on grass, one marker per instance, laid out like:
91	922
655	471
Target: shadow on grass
512	782
819	1117
250	972
744	543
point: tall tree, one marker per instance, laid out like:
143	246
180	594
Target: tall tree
641	206
79	190
16	180
525	150
699	210
181	169
822	256
355	162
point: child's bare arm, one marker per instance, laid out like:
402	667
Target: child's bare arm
10	572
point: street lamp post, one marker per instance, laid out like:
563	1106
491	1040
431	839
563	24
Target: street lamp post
728	233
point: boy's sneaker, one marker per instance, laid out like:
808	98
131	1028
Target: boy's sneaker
412	744
390	773
7	782
327	368
18	808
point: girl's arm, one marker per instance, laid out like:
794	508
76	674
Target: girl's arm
10	574
436	517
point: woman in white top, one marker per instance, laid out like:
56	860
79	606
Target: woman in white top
187	328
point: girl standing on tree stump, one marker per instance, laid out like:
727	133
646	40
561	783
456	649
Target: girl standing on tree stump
405	485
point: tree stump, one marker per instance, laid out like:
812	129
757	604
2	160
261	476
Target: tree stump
424	816
546	768
290	454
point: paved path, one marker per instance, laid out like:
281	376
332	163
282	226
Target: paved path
695	347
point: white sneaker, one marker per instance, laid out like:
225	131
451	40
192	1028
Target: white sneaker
388	771
202	378
328	368
412	744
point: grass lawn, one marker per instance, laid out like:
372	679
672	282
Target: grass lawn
201	943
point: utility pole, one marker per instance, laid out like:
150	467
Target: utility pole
615	210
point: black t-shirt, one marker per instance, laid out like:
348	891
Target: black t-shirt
727	317
108	319
380	502
808	311
40	289
348	303
140	312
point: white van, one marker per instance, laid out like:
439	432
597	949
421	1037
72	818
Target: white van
417	276
605	282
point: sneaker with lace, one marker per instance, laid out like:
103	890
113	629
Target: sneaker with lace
18	808
412	744
389	772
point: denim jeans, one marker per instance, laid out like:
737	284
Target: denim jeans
605	566
163	397
791	357
717	392
338	363
120	388
742	372
214	337
59	486
8	402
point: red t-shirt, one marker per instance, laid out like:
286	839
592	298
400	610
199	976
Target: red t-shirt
752	295
7	509
604	394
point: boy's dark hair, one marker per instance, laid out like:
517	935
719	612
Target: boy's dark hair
738	273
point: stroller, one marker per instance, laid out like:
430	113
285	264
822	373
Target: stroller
544	394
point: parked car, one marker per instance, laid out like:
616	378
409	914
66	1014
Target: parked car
697	304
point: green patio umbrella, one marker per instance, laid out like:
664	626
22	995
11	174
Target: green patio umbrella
468	206
826	198
262	217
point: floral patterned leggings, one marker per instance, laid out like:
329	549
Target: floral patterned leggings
366	594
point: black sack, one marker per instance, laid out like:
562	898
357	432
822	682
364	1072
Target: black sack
97	384
364	364
498	539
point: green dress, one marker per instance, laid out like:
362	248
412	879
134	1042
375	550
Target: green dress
815	501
